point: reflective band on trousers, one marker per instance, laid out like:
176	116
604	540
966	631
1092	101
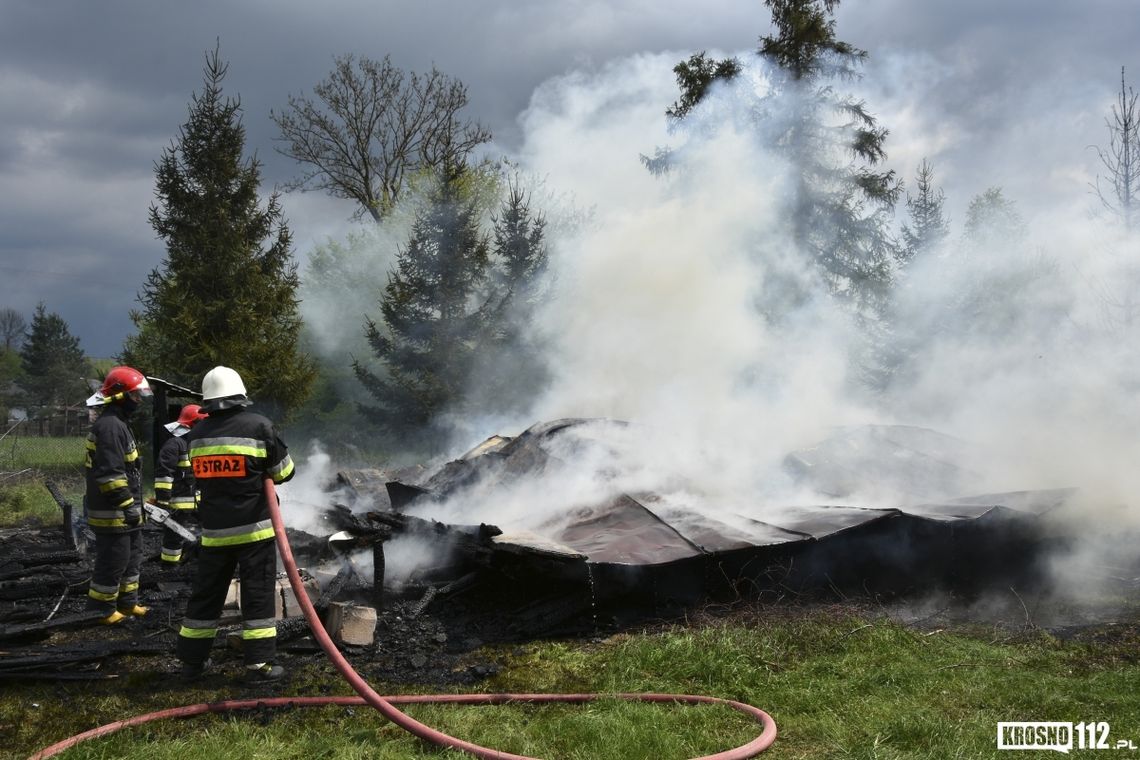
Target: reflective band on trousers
115	522
265	628
239	534
198	629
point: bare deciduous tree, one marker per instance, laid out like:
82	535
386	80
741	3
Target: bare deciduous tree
371	127
1122	158
12	327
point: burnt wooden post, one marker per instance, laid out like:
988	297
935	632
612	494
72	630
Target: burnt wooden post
68	513
378	574
160	418
164	392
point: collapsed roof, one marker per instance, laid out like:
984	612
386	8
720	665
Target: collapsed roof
629	534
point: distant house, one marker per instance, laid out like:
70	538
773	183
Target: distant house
56	420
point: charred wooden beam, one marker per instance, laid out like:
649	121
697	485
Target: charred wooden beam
36	675
50	656
422	604
23	630
29	588
472	540
334	587
292	628
37	559
341	517
68	513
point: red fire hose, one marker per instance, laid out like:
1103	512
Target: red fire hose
385	704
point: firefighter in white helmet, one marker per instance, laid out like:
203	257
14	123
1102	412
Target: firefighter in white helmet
232	452
114	496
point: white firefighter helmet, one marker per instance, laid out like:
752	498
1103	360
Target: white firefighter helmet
221	382
222	388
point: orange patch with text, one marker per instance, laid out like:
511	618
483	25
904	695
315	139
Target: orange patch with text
219	466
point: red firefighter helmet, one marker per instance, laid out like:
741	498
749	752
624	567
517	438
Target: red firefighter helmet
191	413
118	383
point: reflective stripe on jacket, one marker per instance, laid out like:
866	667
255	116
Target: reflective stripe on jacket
231	453
173	476
114	477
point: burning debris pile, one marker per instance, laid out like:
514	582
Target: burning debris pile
398	575
649	551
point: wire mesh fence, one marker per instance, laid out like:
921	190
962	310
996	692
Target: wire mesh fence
25	454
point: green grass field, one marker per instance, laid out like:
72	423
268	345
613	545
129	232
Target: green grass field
26	462
840	683
49	456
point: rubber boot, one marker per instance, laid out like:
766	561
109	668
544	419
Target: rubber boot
114	617
138	611
263	673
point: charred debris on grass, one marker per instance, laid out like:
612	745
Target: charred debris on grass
598	567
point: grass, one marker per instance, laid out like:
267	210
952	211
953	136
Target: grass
839	683
49	456
26	501
26	462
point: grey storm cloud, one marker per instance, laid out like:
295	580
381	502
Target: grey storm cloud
91	93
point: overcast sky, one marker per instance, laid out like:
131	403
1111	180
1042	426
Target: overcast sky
1006	93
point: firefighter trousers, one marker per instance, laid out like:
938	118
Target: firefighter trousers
256	564
173	545
115	575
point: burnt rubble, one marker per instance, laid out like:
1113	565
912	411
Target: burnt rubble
602	565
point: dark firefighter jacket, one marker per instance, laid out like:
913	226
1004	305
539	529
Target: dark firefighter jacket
232	452
173	477
114	477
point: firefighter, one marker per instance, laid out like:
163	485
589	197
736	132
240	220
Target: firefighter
174	481
114	496
232	452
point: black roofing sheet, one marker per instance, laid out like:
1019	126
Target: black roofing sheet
645	528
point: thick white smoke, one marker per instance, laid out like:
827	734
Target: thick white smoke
657	315
1024	351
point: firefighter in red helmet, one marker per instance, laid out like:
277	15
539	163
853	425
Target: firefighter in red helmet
114	496
174	482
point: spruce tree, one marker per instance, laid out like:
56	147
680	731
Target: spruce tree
432	316
840	203
928	226
54	367
510	369
226	291
993	223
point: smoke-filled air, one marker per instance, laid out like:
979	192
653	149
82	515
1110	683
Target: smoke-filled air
685	295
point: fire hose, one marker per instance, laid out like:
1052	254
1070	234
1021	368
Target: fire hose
386	704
